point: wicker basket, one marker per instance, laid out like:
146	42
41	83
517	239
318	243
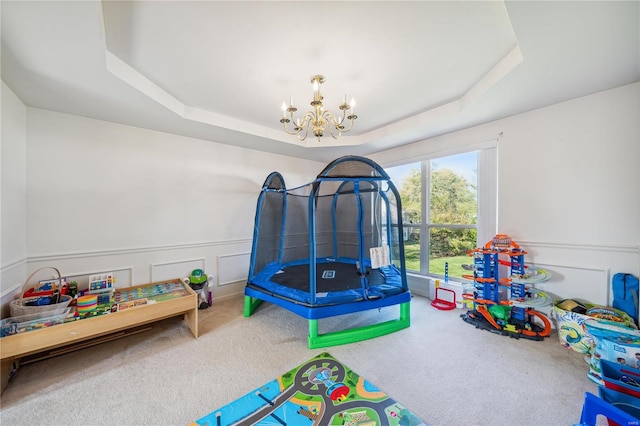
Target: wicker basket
19	306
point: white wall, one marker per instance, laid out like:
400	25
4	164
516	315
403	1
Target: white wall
101	197
13	203
568	186
147	205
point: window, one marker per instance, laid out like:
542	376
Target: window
441	200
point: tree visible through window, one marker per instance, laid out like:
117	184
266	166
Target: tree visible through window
440	212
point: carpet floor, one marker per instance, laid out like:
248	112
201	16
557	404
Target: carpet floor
444	370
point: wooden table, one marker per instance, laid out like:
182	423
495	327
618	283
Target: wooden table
182	301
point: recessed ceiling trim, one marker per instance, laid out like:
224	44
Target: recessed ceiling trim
502	68
510	61
128	74
132	77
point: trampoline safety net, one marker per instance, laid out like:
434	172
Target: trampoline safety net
335	240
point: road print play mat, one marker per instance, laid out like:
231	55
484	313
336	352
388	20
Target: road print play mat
321	391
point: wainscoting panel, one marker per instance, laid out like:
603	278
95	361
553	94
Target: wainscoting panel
141	265
233	268
570	282
12	277
176	269
582	271
578	271
123	277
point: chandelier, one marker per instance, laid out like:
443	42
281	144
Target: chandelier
318	120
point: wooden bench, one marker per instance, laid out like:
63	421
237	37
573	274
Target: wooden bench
101	328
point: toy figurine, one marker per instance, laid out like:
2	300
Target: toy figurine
198	282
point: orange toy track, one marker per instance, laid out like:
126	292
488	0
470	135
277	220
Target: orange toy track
503	281
481	308
479	279
505	263
469	296
545	320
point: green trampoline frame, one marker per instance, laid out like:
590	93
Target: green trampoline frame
316	340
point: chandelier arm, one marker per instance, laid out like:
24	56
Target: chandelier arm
332	124
308	117
304	125
332	130
342	119
328	118
290	132
351	119
296	129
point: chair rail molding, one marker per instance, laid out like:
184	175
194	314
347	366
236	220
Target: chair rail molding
622	248
134	250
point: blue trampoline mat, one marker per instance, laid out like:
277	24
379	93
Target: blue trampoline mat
337	281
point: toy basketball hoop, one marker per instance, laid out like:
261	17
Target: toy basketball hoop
442	304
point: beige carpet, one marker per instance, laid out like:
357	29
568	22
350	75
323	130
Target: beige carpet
443	369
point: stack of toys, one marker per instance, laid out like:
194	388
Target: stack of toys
504	305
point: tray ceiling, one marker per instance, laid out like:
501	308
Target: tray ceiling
219	71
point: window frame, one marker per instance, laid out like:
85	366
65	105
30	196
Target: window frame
487	182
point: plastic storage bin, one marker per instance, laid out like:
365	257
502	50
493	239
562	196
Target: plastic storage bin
24	323
570	330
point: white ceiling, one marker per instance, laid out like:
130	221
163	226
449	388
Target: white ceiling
220	71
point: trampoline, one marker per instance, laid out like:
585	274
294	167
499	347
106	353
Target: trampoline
331	247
